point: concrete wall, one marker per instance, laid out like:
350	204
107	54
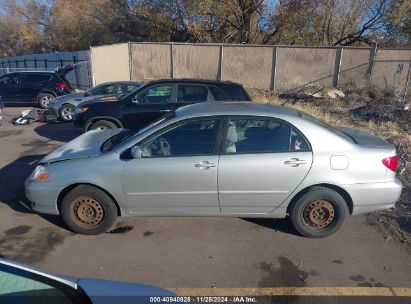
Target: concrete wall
110	63
196	61
391	68
282	68
150	61
354	67
297	67
251	66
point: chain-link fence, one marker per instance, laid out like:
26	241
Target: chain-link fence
278	68
81	77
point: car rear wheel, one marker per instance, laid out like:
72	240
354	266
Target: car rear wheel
66	112
88	210
43	99
319	213
102	125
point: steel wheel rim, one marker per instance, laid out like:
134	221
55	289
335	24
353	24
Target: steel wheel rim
87	212
319	214
67	113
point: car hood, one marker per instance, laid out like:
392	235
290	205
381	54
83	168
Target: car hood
104	291
103	98
66	98
86	145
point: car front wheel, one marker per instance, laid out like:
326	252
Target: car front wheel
88	210
319	213
102	125
66	112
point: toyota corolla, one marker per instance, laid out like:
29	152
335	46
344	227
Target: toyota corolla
219	159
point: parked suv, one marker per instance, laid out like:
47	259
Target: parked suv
35	87
153	100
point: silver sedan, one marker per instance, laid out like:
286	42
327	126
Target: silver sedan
64	106
219	159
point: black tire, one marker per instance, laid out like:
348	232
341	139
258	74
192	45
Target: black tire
102	124
43	99
65	111
88	210
319	213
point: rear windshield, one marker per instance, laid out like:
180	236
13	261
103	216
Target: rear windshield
236	92
327	126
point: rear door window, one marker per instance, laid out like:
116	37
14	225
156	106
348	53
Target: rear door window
262	135
192	93
236	92
33	78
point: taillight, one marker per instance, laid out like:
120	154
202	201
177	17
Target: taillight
391	163
62	85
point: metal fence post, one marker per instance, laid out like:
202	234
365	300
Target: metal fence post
373	55
61	62
46	64
172	60
76	72
130	60
273	68
220	63
24	63
407	81
35	63
337	68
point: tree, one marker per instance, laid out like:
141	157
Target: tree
21	28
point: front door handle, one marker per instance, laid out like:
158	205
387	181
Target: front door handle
204	165
294	162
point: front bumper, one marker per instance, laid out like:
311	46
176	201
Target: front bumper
43	197
371	197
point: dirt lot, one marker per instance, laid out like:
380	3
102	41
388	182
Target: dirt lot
377	111
184	252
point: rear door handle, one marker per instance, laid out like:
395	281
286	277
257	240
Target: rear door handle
204	165
294	162
164	111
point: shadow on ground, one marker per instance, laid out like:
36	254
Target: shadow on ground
281	225
12	178
57	131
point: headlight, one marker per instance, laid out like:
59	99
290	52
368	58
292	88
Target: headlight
40	174
81	110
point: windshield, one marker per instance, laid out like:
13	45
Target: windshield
115	140
126	95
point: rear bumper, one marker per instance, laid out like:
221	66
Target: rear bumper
374	196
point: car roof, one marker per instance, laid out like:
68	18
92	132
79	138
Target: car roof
193	80
31	72
234	108
122	82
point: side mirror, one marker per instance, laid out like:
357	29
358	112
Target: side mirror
136	152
